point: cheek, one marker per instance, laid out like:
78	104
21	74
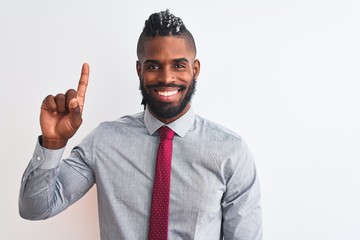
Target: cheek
149	78
189	80
185	76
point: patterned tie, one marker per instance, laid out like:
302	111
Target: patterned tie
158	228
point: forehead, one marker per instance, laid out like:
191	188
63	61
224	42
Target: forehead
167	47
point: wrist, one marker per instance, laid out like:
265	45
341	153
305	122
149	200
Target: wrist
51	143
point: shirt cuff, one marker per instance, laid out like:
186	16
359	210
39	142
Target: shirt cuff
44	158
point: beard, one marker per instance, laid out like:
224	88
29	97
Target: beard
163	109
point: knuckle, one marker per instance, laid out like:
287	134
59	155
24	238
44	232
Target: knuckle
48	98
83	83
59	96
70	91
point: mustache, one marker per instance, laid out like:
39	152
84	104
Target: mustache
159	85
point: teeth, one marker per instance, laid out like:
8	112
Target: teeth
167	94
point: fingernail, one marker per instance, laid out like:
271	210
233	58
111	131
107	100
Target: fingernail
73	103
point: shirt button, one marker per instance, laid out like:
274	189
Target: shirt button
38	158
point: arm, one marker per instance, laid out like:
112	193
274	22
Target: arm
49	186
241	208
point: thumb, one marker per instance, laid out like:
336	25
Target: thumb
75	113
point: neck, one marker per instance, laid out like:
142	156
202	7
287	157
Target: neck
172	119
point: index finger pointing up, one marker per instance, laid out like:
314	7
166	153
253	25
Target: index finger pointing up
83	82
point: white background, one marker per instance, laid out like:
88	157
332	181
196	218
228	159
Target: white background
283	74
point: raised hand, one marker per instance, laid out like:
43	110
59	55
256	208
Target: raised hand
61	115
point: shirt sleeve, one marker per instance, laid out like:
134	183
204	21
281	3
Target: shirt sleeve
49	185
241	207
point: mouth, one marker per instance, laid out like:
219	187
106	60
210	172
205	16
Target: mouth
166	94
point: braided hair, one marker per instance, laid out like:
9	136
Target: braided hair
164	24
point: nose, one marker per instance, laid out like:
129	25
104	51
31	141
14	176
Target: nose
167	76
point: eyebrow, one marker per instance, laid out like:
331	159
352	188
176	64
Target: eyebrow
181	60
177	60
151	61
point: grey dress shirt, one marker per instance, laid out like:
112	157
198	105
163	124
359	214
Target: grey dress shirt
214	186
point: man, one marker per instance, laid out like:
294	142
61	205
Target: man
211	190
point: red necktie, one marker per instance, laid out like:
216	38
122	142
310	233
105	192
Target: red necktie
159	216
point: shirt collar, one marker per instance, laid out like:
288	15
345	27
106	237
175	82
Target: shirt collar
180	126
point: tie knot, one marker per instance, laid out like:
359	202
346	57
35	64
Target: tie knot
166	133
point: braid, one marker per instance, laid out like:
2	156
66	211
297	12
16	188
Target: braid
164	24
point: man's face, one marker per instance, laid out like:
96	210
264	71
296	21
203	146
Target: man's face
167	70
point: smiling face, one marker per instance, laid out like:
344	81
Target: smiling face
167	70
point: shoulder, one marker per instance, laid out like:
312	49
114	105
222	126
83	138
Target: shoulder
227	148
124	121
220	140
214	129
122	125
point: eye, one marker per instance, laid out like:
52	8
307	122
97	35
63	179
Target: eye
179	65
153	67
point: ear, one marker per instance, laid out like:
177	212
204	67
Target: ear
138	69
196	68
